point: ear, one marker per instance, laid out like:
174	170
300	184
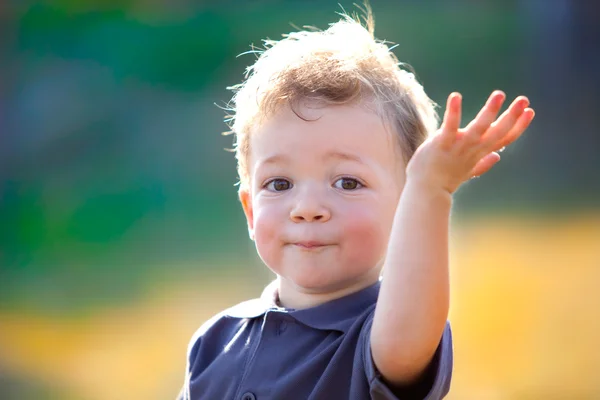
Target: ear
246	200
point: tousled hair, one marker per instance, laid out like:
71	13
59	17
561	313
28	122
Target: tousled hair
344	64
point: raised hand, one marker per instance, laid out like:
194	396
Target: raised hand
453	155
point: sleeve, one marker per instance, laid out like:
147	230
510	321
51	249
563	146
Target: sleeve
192	350
435	383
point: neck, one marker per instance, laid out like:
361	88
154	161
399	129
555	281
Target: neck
293	296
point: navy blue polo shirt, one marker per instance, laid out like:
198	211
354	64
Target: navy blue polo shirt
257	350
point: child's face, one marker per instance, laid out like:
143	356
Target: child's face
322	196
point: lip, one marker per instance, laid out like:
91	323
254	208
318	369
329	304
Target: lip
310	245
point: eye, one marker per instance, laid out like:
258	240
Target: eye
347	184
278	185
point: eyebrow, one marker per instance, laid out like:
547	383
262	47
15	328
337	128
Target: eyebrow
344	156
279	158
275	159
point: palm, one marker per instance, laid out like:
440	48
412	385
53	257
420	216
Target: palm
453	155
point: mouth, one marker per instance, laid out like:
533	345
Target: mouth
310	245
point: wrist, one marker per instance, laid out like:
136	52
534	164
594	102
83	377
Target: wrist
426	189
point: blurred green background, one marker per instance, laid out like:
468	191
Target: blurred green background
120	231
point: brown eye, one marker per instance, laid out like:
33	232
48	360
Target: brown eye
278	185
347	184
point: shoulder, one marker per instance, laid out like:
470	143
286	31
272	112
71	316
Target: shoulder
226	320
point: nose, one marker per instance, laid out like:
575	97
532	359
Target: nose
309	207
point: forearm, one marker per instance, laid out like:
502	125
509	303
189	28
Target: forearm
413	302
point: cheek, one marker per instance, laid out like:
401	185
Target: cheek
367	232
267	230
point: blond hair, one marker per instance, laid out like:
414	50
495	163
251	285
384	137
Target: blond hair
344	64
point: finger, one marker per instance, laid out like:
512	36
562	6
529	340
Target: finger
451	122
507	120
486	115
516	131
485	164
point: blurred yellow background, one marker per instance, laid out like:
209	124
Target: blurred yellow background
525	316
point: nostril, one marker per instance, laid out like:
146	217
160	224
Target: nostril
308	216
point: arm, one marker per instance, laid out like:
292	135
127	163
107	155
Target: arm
413	303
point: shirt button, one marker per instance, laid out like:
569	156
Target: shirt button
248	396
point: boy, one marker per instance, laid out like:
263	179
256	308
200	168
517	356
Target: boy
339	180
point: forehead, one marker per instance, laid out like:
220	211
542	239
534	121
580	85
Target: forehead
307	131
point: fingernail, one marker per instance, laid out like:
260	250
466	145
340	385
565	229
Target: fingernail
497	97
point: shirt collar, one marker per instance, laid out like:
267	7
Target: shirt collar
338	314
